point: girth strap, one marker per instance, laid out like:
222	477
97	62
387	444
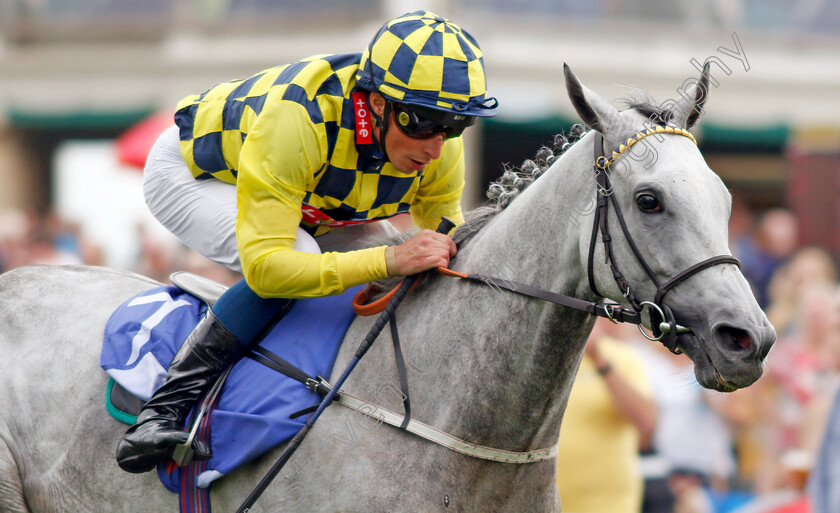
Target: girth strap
442	438
316	384
275	362
379	413
398	355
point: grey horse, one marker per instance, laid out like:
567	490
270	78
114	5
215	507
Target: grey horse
487	366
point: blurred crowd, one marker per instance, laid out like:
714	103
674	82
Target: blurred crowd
750	451
30	238
753	450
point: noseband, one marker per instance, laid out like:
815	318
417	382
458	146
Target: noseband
663	323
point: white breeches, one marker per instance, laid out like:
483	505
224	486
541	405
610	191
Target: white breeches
202	213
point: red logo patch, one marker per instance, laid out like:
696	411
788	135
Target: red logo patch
364	132
312	215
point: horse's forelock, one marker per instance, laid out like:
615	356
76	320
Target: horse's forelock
644	104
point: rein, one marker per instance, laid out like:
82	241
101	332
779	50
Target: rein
663	324
610	311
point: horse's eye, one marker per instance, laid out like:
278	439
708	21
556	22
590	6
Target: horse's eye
648	202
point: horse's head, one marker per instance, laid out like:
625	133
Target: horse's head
659	195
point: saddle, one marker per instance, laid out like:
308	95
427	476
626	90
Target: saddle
268	394
122	404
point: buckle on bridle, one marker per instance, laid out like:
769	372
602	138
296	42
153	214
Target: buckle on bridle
602	162
314	384
609	311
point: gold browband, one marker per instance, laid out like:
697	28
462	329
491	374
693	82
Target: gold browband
604	162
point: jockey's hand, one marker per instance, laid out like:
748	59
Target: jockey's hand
426	250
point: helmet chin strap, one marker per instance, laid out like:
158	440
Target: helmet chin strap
383	125
386	115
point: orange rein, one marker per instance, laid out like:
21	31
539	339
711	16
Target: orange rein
363	308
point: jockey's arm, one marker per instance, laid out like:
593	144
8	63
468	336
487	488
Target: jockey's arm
269	213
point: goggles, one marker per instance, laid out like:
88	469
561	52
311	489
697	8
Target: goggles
422	122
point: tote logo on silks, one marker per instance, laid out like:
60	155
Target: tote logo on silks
364	132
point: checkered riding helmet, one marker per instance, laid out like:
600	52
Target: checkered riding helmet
425	60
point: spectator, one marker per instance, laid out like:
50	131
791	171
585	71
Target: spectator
158	257
13	228
787	408
807	266
824	483
689	489
610	413
774	240
69	239
799	369
42	250
691	435
824	436
791	497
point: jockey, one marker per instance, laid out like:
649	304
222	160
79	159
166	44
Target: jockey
279	176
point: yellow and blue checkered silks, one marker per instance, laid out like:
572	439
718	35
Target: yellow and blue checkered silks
423	59
302	115
287	138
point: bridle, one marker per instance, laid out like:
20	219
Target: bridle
664	327
663	323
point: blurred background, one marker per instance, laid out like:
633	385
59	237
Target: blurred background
87	85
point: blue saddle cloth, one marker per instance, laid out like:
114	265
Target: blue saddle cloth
252	414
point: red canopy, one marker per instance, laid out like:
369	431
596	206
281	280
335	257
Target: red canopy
134	144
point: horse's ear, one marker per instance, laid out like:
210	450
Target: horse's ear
593	110
690	106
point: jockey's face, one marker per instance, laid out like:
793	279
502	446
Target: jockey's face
406	154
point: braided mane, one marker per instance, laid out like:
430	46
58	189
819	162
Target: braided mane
500	193
513	181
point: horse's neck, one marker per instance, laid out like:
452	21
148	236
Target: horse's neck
523	353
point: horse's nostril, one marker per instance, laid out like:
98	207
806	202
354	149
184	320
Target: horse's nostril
734	338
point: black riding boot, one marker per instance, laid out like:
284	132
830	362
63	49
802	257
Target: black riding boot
203	357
